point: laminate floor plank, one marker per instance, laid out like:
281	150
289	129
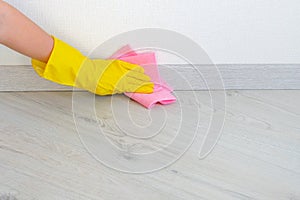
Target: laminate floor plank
44	154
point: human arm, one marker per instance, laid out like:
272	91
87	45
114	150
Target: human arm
21	34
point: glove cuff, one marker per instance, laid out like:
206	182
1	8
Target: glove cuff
63	64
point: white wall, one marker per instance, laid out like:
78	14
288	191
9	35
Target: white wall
231	31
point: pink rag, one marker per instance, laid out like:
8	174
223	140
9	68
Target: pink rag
162	92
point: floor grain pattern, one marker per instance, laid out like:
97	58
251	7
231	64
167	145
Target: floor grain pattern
257	156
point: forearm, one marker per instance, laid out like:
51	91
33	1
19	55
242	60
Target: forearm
21	34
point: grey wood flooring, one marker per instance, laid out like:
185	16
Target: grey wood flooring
257	156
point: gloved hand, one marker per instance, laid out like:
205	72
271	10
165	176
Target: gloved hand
68	66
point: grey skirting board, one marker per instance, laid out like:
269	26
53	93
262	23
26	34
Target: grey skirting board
180	77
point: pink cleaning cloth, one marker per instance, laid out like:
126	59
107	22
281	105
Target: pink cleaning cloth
162	91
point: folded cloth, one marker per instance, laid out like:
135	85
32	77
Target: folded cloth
162	91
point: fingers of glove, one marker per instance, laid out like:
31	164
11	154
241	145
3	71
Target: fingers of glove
146	88
138	75
136	82
131	67
130	84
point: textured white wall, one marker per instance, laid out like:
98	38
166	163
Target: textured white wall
230	31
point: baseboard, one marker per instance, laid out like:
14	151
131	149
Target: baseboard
180	77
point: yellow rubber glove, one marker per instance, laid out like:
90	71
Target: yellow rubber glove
68	66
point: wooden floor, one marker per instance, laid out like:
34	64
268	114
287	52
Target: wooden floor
257	156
